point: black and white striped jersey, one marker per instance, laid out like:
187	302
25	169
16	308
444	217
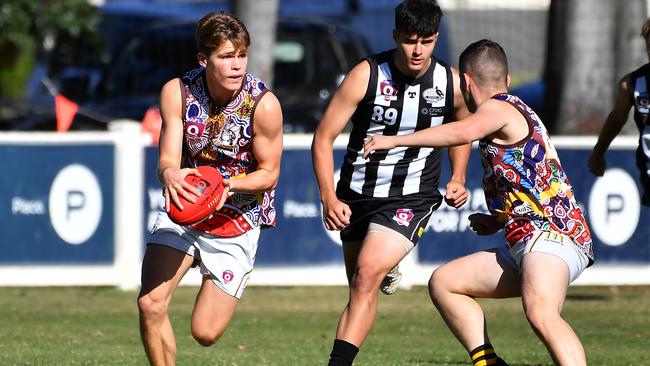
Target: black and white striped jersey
639	94
395	104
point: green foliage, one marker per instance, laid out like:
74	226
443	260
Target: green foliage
29	26
24	21
296	326
14	77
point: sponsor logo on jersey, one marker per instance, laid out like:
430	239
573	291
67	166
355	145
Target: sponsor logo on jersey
388	89
432	111
433	95
403	216
227	276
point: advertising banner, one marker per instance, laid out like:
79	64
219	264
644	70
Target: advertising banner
618	222
57	204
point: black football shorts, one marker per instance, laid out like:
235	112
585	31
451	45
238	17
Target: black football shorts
407	215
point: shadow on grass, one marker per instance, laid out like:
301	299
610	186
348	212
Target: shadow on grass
587	297
464	363
434	362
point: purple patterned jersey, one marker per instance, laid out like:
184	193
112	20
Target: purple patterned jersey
222	136
527	188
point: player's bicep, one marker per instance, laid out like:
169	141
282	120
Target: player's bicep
171	132
345	101
267	139
487	120
622	103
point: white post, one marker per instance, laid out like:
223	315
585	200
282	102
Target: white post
129	190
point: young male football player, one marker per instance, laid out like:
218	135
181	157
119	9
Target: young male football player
221	116
632	92
382	206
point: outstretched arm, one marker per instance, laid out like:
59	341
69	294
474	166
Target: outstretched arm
487	120
612	127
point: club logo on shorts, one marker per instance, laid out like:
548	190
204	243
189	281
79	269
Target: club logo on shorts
403	216
227	276
388	89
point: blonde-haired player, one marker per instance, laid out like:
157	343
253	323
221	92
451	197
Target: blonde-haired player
221	116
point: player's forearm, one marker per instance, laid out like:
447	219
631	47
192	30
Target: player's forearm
163	166
325	181
323	163
458	159
611	129
440	136
261	180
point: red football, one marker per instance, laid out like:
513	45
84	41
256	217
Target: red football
210	186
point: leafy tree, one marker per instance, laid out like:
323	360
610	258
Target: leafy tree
31	28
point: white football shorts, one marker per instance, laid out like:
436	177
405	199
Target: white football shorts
551	242
228	261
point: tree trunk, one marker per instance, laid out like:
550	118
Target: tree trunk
630	46
587	94
554	69
630	50
591	45
260	17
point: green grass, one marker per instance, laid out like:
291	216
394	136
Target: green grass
296	325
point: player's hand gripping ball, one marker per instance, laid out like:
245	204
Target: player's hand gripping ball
210	187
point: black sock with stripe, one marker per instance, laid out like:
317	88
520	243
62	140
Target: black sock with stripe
485	356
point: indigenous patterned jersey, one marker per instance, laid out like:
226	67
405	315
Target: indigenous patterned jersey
222	136
639	94
527	188
395	104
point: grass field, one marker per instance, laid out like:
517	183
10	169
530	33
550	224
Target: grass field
296	325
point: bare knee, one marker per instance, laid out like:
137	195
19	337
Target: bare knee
206	337
366	280
435	282
540	316
152	307
536	318
439	283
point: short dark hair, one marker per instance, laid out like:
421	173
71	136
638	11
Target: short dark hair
214	29
421	17
487	62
